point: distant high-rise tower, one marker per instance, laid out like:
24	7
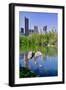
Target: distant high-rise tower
36	29
26	26
45	29
22	31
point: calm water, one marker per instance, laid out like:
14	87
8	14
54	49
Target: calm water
42	65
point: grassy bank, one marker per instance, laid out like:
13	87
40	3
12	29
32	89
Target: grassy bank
25	72
37	42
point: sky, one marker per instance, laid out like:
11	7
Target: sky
39	19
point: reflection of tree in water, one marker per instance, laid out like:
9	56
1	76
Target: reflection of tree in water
35	59
26	59
45	54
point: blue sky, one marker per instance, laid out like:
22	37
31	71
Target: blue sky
40	19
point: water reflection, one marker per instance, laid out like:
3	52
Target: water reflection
42	65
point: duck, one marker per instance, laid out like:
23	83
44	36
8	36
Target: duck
35	55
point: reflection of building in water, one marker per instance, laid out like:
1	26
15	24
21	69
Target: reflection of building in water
26	26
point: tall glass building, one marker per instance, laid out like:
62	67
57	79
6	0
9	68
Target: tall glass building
26	26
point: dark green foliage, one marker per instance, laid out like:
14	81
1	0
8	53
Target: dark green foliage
25	73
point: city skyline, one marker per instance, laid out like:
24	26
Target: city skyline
39	19
27	31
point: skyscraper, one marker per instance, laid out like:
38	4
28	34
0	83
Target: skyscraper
22	31
26	26
45	29
36	29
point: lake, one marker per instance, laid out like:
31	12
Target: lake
43	66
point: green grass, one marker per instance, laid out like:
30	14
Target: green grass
46	43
